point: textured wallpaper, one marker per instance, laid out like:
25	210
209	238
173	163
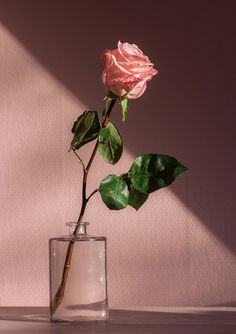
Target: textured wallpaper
179	249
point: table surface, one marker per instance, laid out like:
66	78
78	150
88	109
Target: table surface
148	320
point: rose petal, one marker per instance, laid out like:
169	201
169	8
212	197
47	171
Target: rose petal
138	90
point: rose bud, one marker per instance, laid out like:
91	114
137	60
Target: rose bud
127	71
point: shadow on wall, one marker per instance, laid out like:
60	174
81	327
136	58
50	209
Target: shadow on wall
187	112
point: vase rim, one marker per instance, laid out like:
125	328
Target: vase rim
79	227
72	224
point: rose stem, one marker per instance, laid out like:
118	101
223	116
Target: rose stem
60	292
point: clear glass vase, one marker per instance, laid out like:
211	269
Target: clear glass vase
78	276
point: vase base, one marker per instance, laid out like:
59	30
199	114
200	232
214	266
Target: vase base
93	312
83	319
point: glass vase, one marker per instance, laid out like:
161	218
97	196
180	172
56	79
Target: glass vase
78	276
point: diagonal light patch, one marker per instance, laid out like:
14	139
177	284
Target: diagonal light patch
35	114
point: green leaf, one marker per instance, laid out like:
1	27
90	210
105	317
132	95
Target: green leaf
150	172
136	198
114	192
85	129
110	144
124	107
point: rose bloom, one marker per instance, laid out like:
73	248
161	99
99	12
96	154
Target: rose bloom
127	70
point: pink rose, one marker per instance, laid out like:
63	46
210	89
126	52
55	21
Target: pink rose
127	71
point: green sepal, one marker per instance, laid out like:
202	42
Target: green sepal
150	172
85	129
124	102
110	144
114	192
108	98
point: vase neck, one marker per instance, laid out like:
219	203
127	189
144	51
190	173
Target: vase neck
81	229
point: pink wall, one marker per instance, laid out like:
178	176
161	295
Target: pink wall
179	249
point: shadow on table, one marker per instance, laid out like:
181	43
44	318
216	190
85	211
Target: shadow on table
32	314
